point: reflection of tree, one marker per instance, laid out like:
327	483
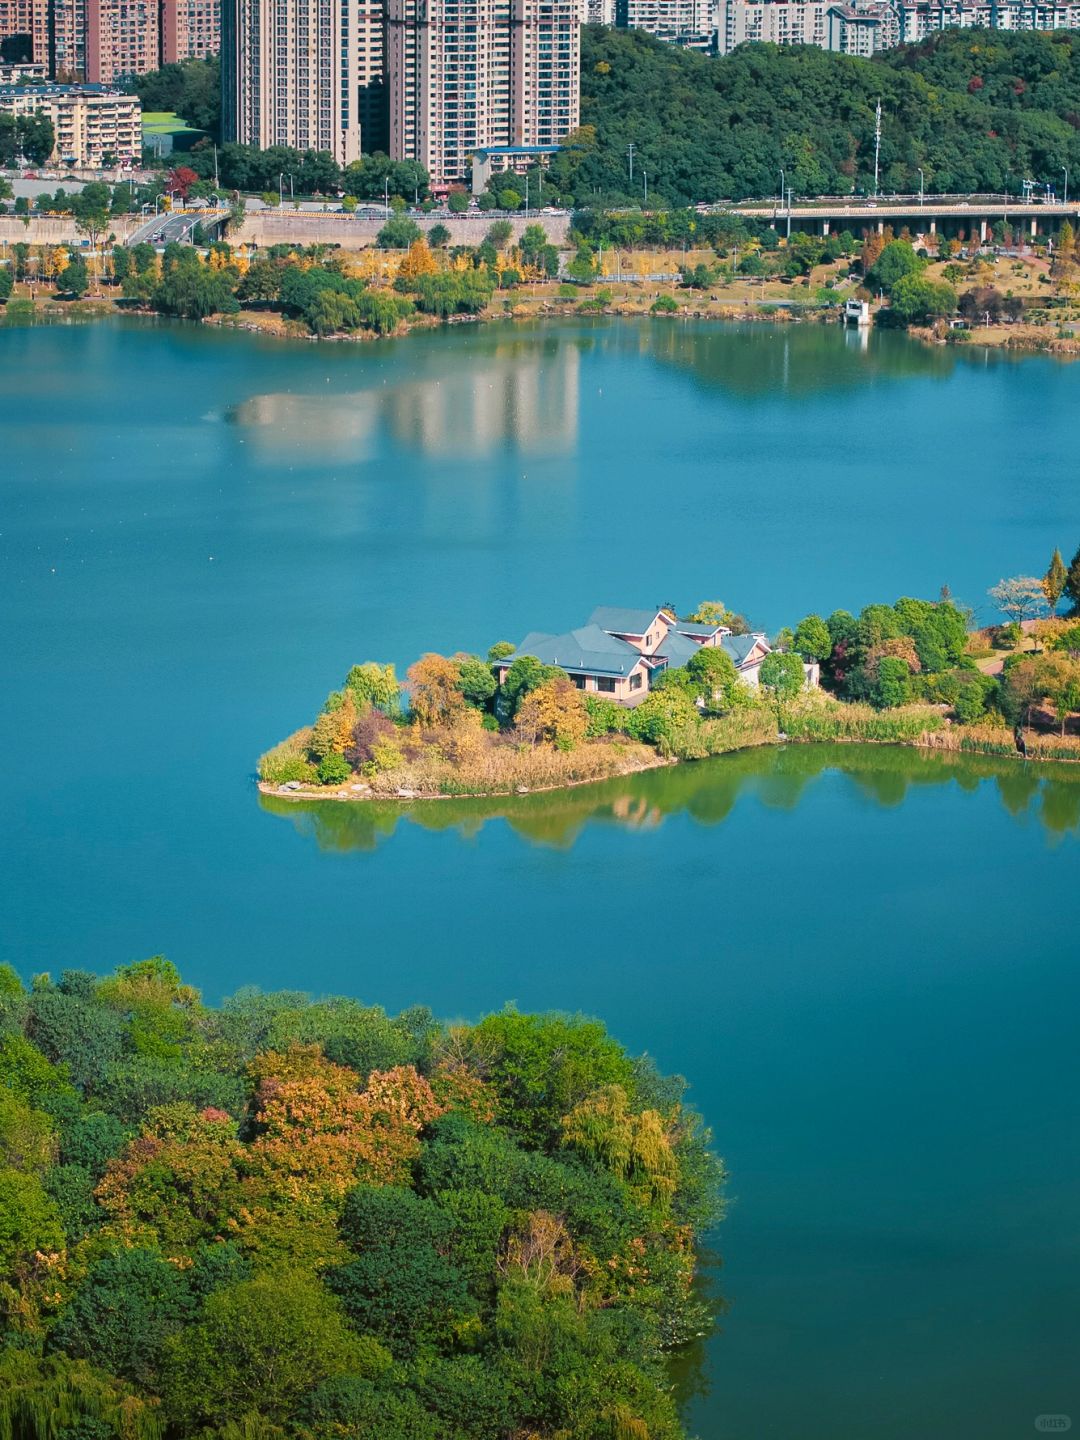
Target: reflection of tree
707	791
688	1367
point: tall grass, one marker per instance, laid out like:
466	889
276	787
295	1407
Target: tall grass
994	740
819	717
500	769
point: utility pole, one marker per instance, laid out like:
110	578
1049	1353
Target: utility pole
781	188
630	152
922	186
790	193
877	145
526	194
646	175
386	195
1065	199
217	180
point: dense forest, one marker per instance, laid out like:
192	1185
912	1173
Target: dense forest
978	110
284	1219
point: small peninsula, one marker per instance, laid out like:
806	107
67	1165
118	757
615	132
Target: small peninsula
636	688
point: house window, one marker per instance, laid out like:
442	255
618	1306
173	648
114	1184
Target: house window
606	685
579	681
635	680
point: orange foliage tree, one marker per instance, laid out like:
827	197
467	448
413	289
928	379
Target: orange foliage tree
434	690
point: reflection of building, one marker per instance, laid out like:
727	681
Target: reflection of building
529	404
469	74
91	121
289	75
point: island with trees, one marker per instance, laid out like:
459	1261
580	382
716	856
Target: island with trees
914	672
296	1219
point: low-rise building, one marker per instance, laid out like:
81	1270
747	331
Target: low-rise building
95	126
690	23
618	652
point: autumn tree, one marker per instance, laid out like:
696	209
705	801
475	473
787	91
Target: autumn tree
555	713
418	260
434	690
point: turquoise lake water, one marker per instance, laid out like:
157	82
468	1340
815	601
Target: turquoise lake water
865	960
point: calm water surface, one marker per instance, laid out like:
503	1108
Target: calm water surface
864	960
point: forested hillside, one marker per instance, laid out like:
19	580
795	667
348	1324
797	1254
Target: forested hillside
978	110
296	1220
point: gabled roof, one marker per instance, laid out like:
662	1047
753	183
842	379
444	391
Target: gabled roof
589	649
739	647
624	622
677	649
695	627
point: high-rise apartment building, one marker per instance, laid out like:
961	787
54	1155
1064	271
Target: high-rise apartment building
67	39
24	31
190	30
122	38
371	74
289	75
691	23
464	75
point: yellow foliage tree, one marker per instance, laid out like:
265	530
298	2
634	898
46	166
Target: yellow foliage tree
434	690
53	261
635	1146
418	260
554	712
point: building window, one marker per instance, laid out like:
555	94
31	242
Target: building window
635	680
605	685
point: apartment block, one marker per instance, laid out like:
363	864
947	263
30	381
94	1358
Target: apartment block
468	75
861	28
24	32
67	39
371	74
93	123
189	30
691	23
925	17
289	75
122	38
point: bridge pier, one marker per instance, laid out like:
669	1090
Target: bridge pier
1034	227
824	227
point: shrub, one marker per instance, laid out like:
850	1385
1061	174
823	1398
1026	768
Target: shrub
664	305
333	769
288	761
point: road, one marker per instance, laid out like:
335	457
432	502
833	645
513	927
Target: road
161	229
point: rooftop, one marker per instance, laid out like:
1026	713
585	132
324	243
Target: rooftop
625	622
590	648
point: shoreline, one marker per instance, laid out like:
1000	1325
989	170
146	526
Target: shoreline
359	794
1019	339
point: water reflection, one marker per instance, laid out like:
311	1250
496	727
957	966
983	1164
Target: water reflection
518	394
707	791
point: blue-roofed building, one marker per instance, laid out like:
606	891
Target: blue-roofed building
621	649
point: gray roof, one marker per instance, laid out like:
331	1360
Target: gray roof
625	622
588	649
677	649
739	646
694	627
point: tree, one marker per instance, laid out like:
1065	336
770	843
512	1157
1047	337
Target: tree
553	712
418	261
1054	581
476	681
893	684
914	299
7	283
812	639
435	696
124	1311
438	236
1072	581
73	280
259	1346
457	202
180	181
897	259
782	678
713	674
29	1221
499	234
398	234
1020	598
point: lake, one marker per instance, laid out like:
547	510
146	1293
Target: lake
863	959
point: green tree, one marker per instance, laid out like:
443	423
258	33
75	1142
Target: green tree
714	676
258	1347
1054	581
893	685
812	639
782	678
398	234
499	234
438	237
914	299
896	260
7	283
476	683
457	202
1072	581
74	280
29	1220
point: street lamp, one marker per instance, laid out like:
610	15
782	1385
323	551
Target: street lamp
781	189
1065	169
922	186
386	195
281	187
645	174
